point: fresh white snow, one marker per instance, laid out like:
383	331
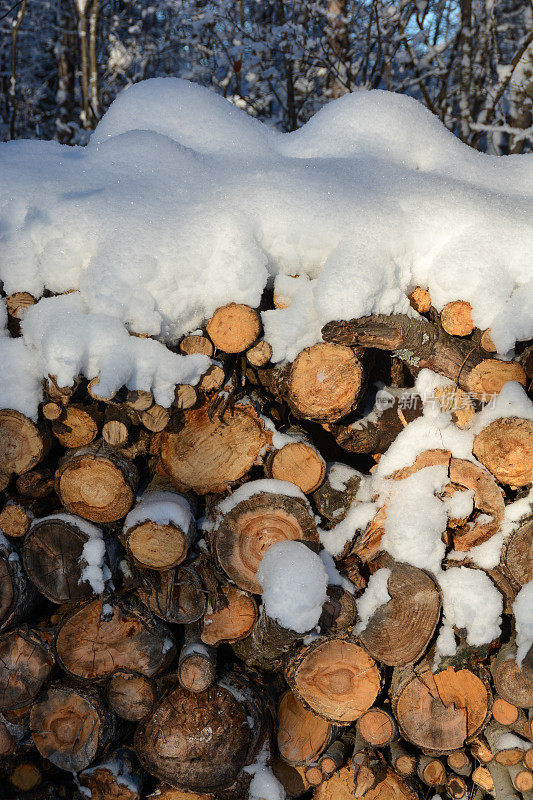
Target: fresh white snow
374	596
471	601
523	614
163	508
181	203
294	580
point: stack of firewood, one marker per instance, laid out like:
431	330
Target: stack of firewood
136	657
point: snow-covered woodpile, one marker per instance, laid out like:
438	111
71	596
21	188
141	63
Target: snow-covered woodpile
186	582
243	559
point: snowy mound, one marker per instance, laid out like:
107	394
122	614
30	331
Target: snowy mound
182	203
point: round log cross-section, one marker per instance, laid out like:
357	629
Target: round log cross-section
131	696
197	742
97	484
302	735
93	646
69	726
21	443
324	382
399	631
25	665
335	678
52	556
208	455
299	463
439	712
505	448
233	328
252	526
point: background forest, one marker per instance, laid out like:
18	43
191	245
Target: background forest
62	62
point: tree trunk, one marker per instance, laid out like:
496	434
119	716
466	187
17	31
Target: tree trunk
176	595
197	662
230	623
423	345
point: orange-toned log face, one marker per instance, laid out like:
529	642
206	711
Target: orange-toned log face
301	734
248	530
325	381
90	646
157	546
21	445
207	455
337	679
300	464
233	622
96	489
24	667
439	712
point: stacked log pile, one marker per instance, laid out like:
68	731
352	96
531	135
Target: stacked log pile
136	657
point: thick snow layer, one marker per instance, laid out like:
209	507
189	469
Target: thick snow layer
374	596
181	203
416	519
522	610
269	485
294	581
511	401
163	508
66	340
339	475
20	381
471	601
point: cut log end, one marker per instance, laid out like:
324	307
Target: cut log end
439	712
15	521
324	382
335	678
96	484
420	300
302	735
131	696
252	526
156	546
66	728
234	328
456	318
505	448
21	443
207	455
298	463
